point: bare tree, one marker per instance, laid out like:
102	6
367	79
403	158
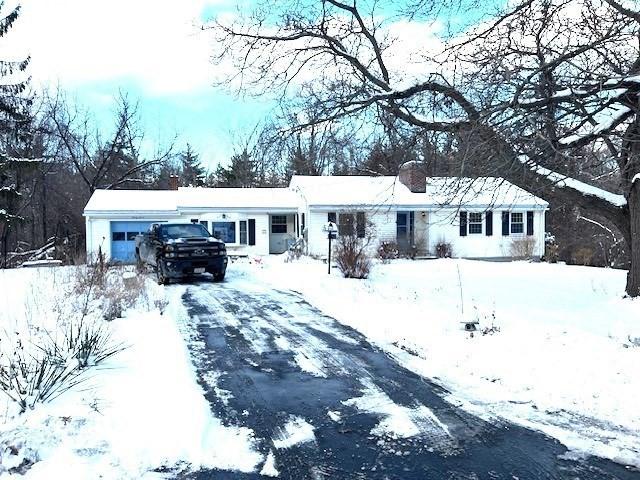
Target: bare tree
580	64
103	162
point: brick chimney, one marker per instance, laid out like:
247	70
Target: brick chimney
413	175
173	182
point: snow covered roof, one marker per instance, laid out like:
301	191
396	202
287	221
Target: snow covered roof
480	192
318	191
124	201
329	191
189	199
241	198
354	190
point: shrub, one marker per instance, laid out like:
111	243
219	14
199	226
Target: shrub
443	249
351	251
523	248
38	373
388	251
583	256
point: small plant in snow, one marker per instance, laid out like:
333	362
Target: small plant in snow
443	249
388	251
32	373
161	304
523	248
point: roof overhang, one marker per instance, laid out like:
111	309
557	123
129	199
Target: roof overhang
134	214
260	209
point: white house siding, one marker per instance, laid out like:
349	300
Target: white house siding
98	231
445	226
383	223
262	230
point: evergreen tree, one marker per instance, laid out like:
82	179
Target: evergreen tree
15	133
193	173
241	172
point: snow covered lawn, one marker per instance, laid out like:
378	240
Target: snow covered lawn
562	357
139	412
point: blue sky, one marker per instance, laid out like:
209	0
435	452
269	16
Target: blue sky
150	49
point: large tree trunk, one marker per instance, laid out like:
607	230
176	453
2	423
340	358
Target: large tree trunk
633	278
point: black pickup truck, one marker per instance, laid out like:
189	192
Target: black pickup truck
178	250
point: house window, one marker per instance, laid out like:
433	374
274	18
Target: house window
225	231
517	222
303	223
361	224
118	236
332	217
243	232
475	223
279	224
346	224
205	224
131	236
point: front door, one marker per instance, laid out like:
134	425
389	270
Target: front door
404	230
279	234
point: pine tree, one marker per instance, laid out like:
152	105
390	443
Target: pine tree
15	134
241	172
193	173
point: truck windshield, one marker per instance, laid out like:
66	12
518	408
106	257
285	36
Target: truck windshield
183	231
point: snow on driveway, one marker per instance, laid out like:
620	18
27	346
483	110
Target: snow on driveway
323	402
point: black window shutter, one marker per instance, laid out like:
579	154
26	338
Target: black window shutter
489	223
361	224
463	224
529	223
295	218
252	231
303	223
505	223
331	217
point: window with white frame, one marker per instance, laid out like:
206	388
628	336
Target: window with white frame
475	223
517	222
278	224
225	231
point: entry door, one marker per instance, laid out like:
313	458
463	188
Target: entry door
404	230
123	240
278	234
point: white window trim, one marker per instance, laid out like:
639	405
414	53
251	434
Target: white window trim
523	223
481	222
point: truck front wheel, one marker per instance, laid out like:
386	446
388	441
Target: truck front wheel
161	272
218	276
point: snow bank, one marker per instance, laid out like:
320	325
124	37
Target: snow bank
560	357
141	412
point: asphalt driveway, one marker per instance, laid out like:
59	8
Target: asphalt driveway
325	403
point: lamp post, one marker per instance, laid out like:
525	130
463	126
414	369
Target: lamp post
332	231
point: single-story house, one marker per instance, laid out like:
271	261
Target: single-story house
479	218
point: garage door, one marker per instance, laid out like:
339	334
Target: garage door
123	240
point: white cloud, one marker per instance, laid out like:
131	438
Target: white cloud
154	43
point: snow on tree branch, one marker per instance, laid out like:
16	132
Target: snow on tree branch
563	181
